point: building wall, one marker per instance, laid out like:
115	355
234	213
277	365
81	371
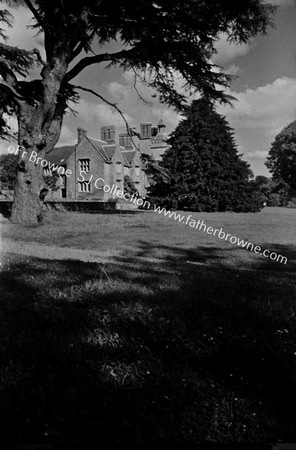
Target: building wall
112	172
71	181
137	174
86	151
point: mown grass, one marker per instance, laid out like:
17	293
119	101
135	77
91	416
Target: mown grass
169	343
146	353
124	230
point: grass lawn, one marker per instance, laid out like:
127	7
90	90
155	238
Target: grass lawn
180	338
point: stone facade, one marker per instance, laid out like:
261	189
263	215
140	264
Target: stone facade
151	139
98	162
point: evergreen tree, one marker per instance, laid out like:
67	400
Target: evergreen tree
206	171
281	160
129	186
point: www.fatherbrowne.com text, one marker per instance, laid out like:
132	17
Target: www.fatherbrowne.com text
187	220
220	233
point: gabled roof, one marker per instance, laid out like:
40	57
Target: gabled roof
129	155
110	150
98	144
98	141
125	161
60	155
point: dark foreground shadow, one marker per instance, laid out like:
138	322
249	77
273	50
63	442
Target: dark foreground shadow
139	353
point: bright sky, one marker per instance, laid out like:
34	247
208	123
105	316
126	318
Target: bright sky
265	89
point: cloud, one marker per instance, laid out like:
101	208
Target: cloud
91	116
21	36
260	114
257	154
128	99
68	136
271	105
282	2
99	114
227	51
232	70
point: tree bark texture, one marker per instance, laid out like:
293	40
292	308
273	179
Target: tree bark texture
39	123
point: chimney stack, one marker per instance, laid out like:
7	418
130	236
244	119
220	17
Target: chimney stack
81	133
125	141
145	130
108	134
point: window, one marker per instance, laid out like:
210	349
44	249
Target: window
47	172
137	171
118	167
84	165
63	181
84	186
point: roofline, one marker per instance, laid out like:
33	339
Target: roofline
105	158
57	148
95	139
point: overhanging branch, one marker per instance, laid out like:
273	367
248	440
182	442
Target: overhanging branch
35	13
89	60
16	95
7	74
113	105
36	52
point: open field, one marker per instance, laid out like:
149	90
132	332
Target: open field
175	337
146	233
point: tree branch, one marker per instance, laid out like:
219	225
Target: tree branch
85	62
35	13
36	52
113	105
77	50
7	74
16	95
81	45
136	77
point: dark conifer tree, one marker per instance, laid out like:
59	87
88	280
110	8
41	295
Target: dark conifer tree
206	171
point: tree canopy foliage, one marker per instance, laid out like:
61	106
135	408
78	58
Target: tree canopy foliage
8	171
206	172
275	192
8	165
281	160
158	40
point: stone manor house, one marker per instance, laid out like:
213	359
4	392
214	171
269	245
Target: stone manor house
110	158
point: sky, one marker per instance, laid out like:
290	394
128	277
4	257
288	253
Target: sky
264	88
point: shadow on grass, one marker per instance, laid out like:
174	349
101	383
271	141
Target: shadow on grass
138	352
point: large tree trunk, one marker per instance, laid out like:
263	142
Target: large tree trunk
39	125
29	189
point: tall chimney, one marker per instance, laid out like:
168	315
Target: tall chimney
145	130
125	141
108	134
81	133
